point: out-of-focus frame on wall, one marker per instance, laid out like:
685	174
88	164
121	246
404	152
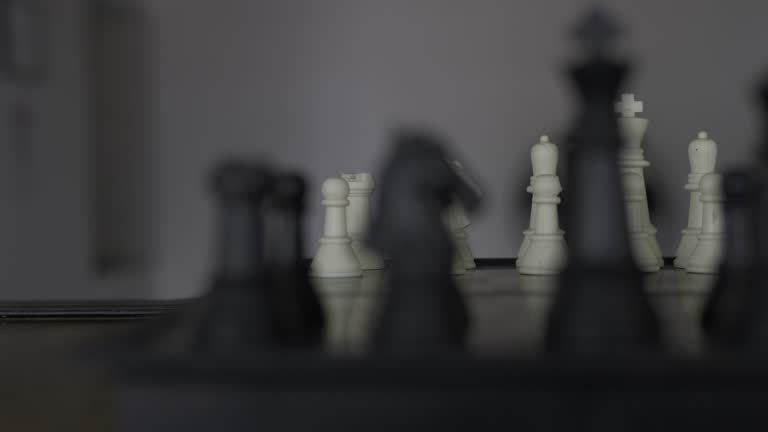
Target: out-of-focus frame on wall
23	30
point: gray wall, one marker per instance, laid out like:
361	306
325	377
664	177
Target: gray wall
44	222
316	85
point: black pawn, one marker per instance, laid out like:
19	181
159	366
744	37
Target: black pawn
735	314
422	309
237	314
600	306
299	315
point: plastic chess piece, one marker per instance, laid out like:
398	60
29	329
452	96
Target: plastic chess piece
762	98
300	316
709	247
634	197
459	221
545	254
461	240
455	218
335	257
600	307
631	160
422	309
544	156
361	187
737	302
702	154
238	314
735	315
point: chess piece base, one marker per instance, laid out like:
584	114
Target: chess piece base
642	251
706	257
546	255
369	260
335	258
687	246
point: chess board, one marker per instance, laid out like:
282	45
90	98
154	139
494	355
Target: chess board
509	310
503	380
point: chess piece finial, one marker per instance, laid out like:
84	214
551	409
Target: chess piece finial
709	248
628	107
544	156
335	257
702	155
597	31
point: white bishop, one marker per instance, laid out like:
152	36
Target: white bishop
702	154
549	253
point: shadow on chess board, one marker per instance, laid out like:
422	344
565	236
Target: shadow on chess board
503	380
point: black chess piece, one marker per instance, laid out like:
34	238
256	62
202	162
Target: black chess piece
733	314
600	306
762	99
736	314
422	309
237	313
298	312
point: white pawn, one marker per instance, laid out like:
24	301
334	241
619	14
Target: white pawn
335	257
709	248
631	159
545	253
544	156
702	154
634	199
361	186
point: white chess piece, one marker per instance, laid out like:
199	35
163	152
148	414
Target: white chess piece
545	254
634	199
361	187
709	248
335	257
702	154
456	220
544	156
631	159
461	240
459	222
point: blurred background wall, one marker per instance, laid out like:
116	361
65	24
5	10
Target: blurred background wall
143	96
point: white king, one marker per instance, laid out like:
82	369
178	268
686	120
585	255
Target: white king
631	160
